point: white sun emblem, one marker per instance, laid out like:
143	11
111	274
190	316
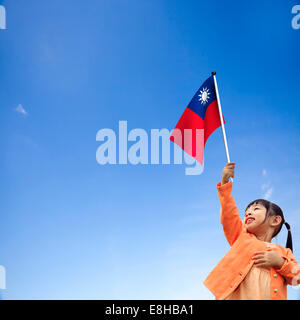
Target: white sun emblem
204	95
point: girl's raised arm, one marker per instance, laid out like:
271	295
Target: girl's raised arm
229	213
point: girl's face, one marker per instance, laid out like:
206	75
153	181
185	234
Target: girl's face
254	217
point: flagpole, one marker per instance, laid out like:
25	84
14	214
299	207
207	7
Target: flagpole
221	117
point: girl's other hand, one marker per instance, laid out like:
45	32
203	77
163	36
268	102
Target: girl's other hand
228	172
268	259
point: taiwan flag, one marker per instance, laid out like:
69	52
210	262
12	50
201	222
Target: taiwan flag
198	121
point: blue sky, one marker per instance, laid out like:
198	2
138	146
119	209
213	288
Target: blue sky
73	229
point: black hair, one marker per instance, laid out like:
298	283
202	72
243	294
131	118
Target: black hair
273	209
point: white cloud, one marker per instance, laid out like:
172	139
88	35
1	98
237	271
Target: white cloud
268	193
264	186
20	109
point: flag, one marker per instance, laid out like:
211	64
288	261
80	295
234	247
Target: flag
201	113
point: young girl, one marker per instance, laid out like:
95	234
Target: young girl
253	268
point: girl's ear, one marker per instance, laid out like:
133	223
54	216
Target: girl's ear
275	221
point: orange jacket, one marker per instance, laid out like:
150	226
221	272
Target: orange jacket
235	265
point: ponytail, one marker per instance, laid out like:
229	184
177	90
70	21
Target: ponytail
289	241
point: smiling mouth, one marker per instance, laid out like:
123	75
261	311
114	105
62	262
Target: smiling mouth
249	220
